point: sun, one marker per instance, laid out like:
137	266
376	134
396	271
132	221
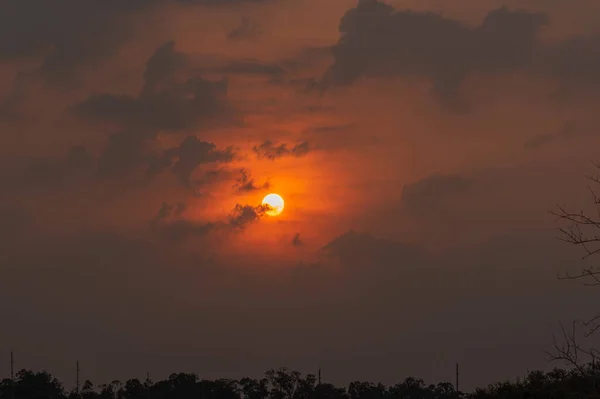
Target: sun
275	204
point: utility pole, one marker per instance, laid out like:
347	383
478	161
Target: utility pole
148	384
457	377
319	375
77	380
12	375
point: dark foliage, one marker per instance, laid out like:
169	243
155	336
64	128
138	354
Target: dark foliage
284	384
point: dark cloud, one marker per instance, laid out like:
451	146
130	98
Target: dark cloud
247	30
243	215
296	241
170	210
170	99
569	131
335	137
180	230
163	68
378	40
72	33
252	67
308	58
359	249
575	61
246	183
272	151
67	33
202	185
124	151
45	171
191	153
171	224
424	196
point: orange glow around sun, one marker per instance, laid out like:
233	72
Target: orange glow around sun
275	204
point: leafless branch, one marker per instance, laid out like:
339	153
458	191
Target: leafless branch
585	273
593	325
569	350
583	231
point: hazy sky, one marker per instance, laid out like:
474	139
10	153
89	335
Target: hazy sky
418	145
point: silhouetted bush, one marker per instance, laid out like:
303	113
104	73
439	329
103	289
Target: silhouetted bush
285	384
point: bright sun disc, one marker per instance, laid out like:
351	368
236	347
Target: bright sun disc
275	203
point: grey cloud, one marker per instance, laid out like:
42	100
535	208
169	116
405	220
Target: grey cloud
247	30
162	68
173	99
171	225
424	196
67	33
246	183
167	101
272	151
243	215
252	67
575	61
170	210
378	40
201	185
334	137
78	161
191	153
296	241
180	230
307	58
123	152
72	33
353	246
567	132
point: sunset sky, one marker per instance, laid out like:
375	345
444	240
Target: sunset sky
418	144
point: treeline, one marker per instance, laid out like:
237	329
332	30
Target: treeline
283	384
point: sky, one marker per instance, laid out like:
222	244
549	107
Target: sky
419	146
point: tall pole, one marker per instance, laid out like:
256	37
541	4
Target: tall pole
77	379
319	375
457	377
148	384
12	375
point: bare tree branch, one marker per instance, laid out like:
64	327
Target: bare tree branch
570	351
583	231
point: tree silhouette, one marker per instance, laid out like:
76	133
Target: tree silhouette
281	383
582	229
30	385
254	389
87	391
